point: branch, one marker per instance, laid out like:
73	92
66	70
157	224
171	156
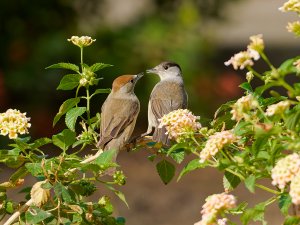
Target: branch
30	201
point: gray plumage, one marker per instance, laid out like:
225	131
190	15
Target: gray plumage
167	95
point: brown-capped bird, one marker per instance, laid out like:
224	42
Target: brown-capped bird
167	95
119	113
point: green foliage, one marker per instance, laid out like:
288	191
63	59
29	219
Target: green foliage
166	171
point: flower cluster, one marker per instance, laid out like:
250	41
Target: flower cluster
88	78
278	108
82	41
257	43
242	107
245	58
285	170
297	64
295	189
291	6
294	27
180	124
215	143
214	205
13	122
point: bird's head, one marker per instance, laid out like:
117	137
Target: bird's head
125	83
166	70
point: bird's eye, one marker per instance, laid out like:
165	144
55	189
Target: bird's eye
131	81
166	67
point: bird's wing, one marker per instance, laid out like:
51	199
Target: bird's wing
115	117
163	102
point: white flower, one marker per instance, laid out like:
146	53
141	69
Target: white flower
243	59
294	27
285	170
257	44
291	5
297	65
13	122
278	108
242	107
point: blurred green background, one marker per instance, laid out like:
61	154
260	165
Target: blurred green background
132	35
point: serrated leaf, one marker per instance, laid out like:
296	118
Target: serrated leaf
20	173
192	165
62	65
69	82
36	215
65	107
72	115
62	192
106	158
230	181
256	214
292	220
102	91
40	142
246	86
166	171
64	139
34	168
38	194
178	155
250	183
285	201
99	66
119	194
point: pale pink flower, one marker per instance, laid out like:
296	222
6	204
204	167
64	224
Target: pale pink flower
295	189
214	205
215	143
180	124
13	122
242	107
285	170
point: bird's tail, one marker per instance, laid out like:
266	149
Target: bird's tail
160	135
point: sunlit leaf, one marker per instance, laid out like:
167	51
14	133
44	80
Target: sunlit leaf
72	115
62	65
69	82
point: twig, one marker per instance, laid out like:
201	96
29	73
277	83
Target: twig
30	201
19	212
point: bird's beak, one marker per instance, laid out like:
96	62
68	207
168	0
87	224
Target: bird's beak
138	76
152	70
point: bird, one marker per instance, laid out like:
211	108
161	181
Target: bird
167	95
119	113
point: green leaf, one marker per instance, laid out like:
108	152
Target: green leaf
62	65
20	173
9	207
62	192
118	193
72	115
287	67
40	142
65	107
166	171
38	216
178	155
230	181
250	183
64	139
102	91
99	66
256	214
192	165
246	86
106	158
176	147
292	220
69	82
34	168
285	201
